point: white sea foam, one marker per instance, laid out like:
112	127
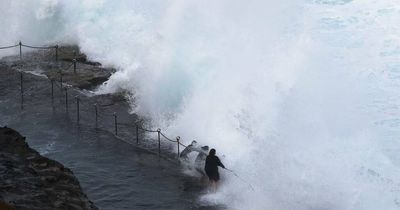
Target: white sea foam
299	97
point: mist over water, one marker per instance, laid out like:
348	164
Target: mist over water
299	97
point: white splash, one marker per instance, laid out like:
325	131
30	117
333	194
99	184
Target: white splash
299	97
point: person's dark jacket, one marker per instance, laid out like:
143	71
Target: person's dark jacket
211	167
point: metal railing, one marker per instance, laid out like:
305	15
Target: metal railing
97	115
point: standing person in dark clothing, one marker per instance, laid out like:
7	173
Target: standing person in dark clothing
211	168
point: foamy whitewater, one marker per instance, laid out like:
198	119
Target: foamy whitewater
299	97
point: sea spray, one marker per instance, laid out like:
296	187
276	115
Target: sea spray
298	97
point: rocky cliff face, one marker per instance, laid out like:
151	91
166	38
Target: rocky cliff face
31	181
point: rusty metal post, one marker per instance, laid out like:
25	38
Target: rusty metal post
159	141
20	50
56	47
77	109
61	79
178	138
66	99
74	60
22	90
115	123
52	90
137	134
95	110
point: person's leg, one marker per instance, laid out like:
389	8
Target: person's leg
213	186
210	185
216	185
216	181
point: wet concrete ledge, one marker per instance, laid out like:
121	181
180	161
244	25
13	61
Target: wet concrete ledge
89	75
43	63
33	182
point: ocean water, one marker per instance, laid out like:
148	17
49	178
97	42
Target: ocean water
112	173
300	97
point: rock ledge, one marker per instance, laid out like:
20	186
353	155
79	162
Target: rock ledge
31	181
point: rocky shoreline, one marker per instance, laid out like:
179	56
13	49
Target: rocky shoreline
33	182
87	74
117	190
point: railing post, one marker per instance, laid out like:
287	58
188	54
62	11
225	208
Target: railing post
178	138
95	110
74	60
52	90
22	90
61	79
66	99
56	47
137	134
159	141
115	123
20	50
77	109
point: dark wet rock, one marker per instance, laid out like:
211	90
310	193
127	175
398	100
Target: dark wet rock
69	53
84	77
46	187
87	74
31	181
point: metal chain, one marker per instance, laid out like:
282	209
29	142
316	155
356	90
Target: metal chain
7	47
37	47
102	115
167	138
